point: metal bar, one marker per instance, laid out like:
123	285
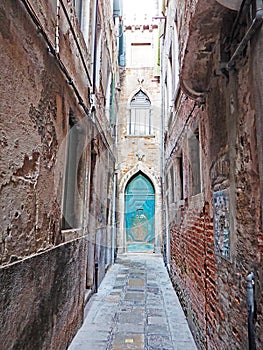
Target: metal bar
251	310
57	29
240	17
256	23
96	277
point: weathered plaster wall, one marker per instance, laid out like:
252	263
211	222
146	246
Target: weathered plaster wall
41	303
31	87
42	296
43	268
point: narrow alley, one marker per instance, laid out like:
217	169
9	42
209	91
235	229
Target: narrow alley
131	174
136	307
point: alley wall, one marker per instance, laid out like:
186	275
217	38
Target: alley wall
213	162
57	164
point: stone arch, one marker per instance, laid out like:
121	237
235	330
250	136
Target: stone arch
139	214
140	167
134	92
156	182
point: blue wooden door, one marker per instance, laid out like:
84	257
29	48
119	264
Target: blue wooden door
139	214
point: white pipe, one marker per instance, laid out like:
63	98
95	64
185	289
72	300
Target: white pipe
113	230
57	30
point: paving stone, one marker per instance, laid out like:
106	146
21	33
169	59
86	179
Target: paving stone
132	317
133	303
135	308
135	289
136	282
98	335
128	340
151	311
181	345
153	290
160	329
156	320
118	287
159	342
134	328
84	345
136	296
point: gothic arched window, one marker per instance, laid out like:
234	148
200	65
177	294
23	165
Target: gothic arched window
140	115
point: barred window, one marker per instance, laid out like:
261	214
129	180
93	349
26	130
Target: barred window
140	115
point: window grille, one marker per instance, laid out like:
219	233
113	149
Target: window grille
140	115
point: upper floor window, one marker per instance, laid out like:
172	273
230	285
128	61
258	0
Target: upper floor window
140	115
195	162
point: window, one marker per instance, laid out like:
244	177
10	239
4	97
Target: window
140	115
172	184
141	55
73	176
181	177
69	214
194	156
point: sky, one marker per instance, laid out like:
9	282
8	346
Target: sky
139	9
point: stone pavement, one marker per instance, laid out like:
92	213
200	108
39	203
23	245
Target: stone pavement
135	308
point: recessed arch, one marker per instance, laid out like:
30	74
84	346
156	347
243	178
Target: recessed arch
139	117
134	92
140	167
153	176
140	214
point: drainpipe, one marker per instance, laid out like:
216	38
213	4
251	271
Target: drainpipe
95	17
256	23
113	230
57	30
96	277
165	229
251	310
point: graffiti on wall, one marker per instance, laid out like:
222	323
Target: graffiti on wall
222	223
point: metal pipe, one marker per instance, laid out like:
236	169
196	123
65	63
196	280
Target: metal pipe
166	231
96	277
256	23
250	280
240	17
113	230
57	30
94	56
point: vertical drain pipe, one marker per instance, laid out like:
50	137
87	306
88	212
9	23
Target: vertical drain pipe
113	229
94	53
96	277
251	310
57	30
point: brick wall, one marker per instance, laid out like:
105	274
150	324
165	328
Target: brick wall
209	267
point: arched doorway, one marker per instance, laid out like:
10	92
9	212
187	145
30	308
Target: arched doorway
139	214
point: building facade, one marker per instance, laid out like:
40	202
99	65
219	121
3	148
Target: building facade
59	70
140	138
212	104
